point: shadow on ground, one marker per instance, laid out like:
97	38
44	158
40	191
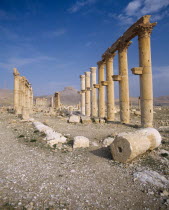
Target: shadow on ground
103	152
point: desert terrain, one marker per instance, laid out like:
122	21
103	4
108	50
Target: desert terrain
36	176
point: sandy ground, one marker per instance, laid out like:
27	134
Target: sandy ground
34	176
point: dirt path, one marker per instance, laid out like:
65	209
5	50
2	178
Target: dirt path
34	177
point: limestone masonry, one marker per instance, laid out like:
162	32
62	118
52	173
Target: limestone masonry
142	29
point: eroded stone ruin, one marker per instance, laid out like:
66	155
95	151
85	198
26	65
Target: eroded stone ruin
125	146
23	96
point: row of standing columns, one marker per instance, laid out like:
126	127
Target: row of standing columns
91	106
23	96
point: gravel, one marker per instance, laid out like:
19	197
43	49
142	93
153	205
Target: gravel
34	176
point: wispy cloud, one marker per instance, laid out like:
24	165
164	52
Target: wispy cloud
80	4
56	33
137	8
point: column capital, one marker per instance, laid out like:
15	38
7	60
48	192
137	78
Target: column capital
99	63
87	73
82	76
108	56
93	69
15	72
123	45
145	30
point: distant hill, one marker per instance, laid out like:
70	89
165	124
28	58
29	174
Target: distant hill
70	96
6	97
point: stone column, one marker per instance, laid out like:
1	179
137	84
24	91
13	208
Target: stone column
146	86
139	103
82	80
25	108
31	100
123	84
87	94
101	110
16	91
93	92
57	100
51	102
110	87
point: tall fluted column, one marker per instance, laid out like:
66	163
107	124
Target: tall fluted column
94	95
110	87
82	81
87	94
101	65
146	86
123	84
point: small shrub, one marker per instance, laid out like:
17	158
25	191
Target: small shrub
21	136
164	155
36	131
33	140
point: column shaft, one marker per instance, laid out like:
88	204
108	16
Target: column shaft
146	86
101	90
123	85
87	94
82	78
110	88
93	92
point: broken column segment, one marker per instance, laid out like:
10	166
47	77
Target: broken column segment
127	146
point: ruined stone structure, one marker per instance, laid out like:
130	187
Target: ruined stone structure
142	28
23	96
56	100
41	102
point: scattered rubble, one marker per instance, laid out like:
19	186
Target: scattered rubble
108	141
152	177
80	142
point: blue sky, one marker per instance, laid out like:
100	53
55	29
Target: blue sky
52	42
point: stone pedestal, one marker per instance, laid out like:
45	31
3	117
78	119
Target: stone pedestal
146	87
101	110
87	94
123	83
94	109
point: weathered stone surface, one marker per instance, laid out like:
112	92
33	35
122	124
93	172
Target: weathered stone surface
152	177
137	113
74	119
108	141
85	119
80	142
127	146
96	120
102	120
52	137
